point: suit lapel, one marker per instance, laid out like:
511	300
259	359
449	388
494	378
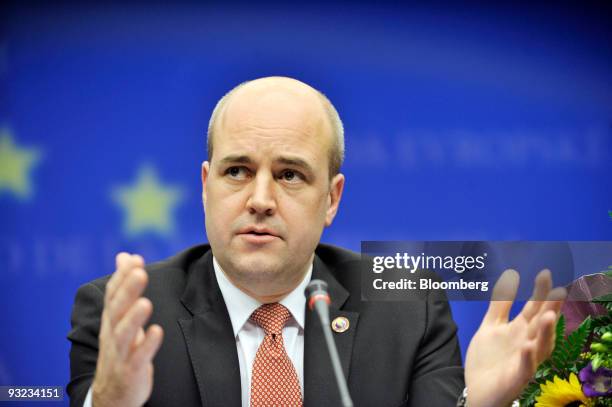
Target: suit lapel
320	385
209	337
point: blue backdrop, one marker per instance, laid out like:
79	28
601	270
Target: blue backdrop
480	122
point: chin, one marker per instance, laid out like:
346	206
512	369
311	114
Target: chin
258	267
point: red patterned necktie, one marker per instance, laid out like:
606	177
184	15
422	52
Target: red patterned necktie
274	381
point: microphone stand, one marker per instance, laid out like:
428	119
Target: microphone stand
318	298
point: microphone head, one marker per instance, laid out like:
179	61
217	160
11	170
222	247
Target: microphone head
315	287
315	291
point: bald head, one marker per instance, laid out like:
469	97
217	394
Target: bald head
268	102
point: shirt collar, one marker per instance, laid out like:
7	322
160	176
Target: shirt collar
240	305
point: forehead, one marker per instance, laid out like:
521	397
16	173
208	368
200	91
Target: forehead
289	117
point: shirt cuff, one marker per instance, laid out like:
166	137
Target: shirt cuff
462	400
87	402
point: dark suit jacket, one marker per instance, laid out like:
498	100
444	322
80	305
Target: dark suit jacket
393	354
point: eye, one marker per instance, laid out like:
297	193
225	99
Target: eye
291	176
237	173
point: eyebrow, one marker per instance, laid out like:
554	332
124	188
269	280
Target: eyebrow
244	159
241	159
296	162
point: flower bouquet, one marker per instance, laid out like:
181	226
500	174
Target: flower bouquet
579	370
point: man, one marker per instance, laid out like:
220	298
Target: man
270	186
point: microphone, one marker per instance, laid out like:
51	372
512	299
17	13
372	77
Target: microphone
318	300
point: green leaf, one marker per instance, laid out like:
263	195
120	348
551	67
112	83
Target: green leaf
567	350
529	395
577	339
601	321
560	330
603	298
543	373
596	362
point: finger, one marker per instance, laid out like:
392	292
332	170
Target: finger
555	299
149	347
528	363
140	336
545	340
557	294
133	320
121	261
503	295
124	262
131	288
553	304
543	285
138	260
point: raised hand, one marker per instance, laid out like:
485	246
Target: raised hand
503	355
124	371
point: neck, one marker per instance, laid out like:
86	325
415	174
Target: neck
267	292
264	298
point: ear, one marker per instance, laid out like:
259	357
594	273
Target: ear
205	172
335	194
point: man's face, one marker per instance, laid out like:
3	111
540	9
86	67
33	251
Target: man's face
267	193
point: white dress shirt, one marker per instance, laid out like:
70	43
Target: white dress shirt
249	335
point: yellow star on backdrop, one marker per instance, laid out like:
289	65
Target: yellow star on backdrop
16	164
148	205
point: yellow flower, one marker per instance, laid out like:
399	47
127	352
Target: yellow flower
561	393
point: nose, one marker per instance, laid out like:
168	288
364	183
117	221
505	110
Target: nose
262	200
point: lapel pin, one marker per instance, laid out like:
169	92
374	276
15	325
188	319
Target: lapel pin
340	324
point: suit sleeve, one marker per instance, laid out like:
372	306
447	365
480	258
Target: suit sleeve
85	323
438	375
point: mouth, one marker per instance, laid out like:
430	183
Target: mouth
258	235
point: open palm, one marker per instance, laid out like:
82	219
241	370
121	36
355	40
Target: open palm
503	355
